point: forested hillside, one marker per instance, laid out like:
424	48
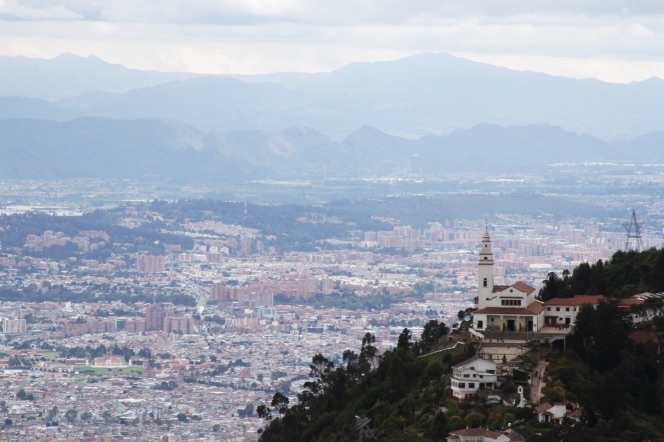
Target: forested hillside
609	365
626	274
401	394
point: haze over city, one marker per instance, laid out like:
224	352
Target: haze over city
373	220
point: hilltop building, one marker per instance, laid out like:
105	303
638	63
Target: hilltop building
555	412
504	308
644	307
483	435
473	375
561	312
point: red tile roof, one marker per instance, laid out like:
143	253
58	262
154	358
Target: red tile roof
631	301
576	300
575	413
536	307
472	432
520	286
476	432
541	408
644	337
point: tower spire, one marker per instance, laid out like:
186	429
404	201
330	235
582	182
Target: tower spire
485	271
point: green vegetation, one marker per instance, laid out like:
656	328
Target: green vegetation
147	237
216	319
166	386
626	274
400	392
610	366
348	300
22	395
63	294
283	222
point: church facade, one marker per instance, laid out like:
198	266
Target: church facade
504	308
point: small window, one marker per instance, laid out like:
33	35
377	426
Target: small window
471	385
485	283
462	385
466	375
557	309
480	324
566	309
548	309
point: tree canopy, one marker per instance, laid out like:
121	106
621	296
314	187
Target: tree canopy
624	275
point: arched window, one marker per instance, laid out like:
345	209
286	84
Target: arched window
485	282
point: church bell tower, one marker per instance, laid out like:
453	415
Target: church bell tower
485	272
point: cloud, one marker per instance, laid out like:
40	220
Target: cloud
257	36
15	10
341	12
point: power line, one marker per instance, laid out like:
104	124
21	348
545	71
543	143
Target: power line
633	239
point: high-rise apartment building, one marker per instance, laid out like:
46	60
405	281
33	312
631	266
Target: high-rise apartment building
154	317
11	326
150	263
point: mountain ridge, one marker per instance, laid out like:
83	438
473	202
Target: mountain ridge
103	147
425	94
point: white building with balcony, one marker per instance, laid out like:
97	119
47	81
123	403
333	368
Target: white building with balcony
471	376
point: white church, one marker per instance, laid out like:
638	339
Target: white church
504	308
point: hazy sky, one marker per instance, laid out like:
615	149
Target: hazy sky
614	40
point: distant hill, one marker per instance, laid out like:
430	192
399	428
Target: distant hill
209	103
34	108
426	94
69	75
648	145
95	147
111	148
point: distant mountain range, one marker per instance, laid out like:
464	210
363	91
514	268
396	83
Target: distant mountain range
143	148
425	115
69	75
426	94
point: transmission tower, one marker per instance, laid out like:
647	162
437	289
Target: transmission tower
362	425
633	239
